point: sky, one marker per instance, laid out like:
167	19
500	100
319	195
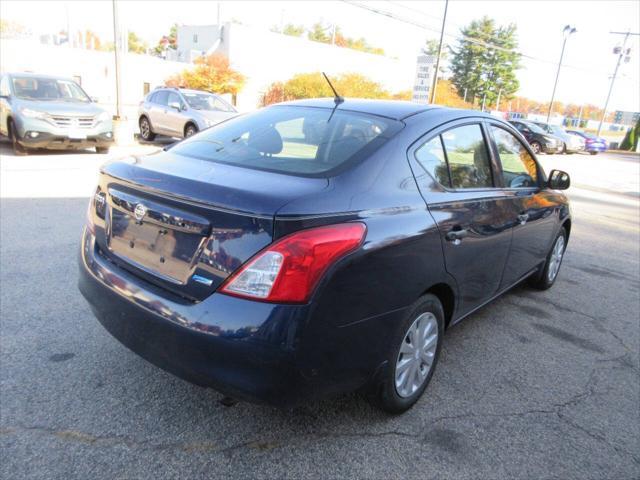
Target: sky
587	66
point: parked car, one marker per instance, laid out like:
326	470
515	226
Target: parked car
540	141
593	144
312	248
40	111
179	112
572	144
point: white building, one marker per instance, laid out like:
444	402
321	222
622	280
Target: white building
265	57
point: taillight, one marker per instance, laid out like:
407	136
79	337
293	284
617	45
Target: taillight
288	270
90	225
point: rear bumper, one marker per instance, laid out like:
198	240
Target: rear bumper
243	349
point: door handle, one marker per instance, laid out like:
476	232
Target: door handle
456	235
522	218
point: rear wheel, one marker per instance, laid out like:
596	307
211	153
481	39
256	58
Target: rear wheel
13	136
546	277
593	152
413	354
102	149
536	147
145	130
190	130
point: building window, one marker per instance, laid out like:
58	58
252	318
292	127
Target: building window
195	39
146	88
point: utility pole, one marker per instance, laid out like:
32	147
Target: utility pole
498	101
580	117
568	30
435	73
117	43
622	53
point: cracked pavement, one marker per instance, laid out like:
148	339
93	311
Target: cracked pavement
535	385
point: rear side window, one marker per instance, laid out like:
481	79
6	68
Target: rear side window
519	169
430	157
294	140
468	158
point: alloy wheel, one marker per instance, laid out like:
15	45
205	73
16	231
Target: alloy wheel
556	259
417	354
144	128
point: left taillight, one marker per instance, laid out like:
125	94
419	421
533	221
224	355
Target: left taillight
288	270
96	207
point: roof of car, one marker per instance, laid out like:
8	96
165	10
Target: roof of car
395	109
183	90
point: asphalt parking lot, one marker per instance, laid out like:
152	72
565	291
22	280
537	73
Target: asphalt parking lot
535	385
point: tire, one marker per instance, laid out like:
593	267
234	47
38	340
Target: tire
427	313
564	149
536	147
145	129
18	149
189	130
102	149
593	153
548	273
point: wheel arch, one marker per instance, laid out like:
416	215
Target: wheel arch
567	227
186	125
447	297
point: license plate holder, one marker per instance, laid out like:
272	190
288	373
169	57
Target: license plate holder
77	134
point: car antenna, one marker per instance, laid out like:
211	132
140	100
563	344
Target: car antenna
336	98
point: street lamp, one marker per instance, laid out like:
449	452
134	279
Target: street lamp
566	32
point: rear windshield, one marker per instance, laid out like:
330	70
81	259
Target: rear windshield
534	128
294	140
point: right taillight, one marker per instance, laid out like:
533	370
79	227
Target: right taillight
288	270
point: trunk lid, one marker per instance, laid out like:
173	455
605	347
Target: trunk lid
185	224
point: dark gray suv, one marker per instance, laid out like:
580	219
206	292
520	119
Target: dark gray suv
180	112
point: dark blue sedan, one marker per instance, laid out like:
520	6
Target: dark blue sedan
592	143
316	247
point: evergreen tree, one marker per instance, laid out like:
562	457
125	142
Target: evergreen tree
484	70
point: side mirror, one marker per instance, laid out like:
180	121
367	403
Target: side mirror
175	105
558	180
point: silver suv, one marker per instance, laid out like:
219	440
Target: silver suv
179	112
38	111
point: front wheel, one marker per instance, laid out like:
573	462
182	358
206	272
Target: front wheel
413	354
536	147
190	130
593	152
546	277
18	149
102	149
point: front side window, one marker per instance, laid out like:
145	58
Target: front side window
294	140
37	88
519	169
174	98
161	98
468	157
206	101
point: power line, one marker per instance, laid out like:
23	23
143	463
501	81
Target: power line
461	36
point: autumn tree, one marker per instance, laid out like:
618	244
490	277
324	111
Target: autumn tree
167	42
212	74
136	44
485	61
313	85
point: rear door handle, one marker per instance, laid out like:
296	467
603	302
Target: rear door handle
522	218
456	235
